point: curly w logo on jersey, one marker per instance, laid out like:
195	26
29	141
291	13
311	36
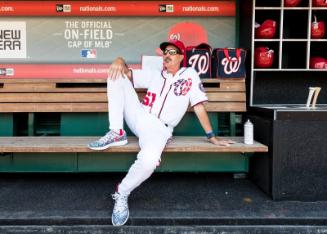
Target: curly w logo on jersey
182	86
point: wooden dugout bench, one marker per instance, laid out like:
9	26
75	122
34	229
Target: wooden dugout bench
56	118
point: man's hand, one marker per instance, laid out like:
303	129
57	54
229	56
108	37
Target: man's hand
215	141
118	68
202	115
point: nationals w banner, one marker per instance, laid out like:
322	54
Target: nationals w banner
199	57
228	63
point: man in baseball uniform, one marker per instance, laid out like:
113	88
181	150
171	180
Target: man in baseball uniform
169	94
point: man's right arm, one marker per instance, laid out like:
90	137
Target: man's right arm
119	68
139	78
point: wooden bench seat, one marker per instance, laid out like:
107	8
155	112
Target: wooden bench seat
78	144
70	154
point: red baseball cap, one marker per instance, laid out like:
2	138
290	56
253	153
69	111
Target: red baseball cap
178	44
190	33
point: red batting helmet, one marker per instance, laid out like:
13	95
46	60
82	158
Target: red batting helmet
263	57
317	29
292	3
266	30
319	3
318	63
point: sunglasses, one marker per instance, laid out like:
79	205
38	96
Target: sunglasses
171	52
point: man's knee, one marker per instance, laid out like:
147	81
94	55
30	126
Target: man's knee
114	84
149	160
111	82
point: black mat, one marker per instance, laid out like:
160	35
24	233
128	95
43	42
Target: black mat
165	199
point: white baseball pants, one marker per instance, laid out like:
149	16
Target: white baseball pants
152	133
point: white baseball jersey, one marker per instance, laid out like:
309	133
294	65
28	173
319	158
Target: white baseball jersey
168	97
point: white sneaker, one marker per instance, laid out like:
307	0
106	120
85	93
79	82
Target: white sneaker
120	212
110	139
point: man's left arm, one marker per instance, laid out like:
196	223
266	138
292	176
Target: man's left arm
202	115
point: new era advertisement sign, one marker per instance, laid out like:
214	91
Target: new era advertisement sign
12	39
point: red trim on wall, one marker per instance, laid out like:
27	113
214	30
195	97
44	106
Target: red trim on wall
54	71
118	8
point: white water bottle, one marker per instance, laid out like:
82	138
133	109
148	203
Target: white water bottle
248	133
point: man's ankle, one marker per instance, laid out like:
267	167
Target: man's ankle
119	132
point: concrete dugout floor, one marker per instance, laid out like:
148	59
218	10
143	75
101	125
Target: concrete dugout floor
169	199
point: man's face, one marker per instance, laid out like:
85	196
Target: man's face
171	58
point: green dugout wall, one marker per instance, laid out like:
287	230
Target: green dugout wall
47	42
95	124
